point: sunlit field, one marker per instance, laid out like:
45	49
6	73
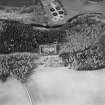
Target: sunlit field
59	86
56	86
45	82
13	93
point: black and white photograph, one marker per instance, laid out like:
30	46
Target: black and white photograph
52	52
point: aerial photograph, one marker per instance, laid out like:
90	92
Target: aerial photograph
52	52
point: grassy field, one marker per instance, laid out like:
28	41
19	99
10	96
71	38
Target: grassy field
56	86
13	93
59	86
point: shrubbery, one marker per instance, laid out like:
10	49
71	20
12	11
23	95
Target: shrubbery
82	35
18	65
